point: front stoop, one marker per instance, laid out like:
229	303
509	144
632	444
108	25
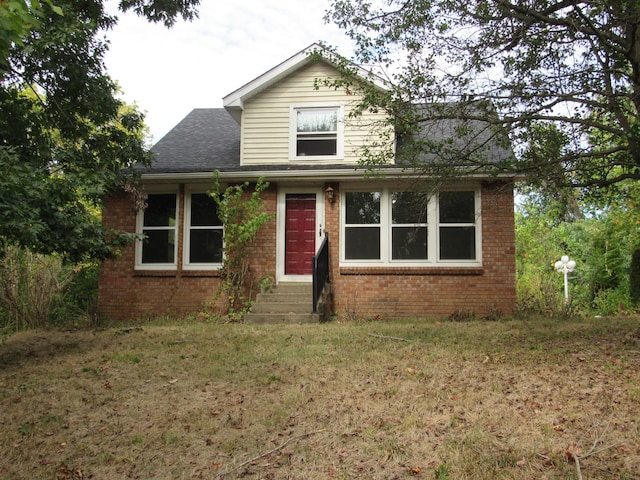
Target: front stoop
286	303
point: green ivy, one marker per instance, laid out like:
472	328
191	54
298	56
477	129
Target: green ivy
243	214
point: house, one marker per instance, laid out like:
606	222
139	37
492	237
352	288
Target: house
392	250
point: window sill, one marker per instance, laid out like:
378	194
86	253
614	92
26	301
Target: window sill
176	273
444	270
155	273
200	273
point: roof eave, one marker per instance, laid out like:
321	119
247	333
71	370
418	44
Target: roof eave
234	101
336	174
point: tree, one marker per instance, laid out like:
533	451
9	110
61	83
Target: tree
66	139
514	66
602	242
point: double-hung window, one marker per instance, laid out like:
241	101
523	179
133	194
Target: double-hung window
393	227
158	224
362	225
316	132
203	233
409	226
457	225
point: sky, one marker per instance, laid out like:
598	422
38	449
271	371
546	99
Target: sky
169	72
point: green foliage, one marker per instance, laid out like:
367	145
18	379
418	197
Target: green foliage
162	11
538	246
634	277
52	213
29	284
39	290
17	18
601	240
66	139
79	300
242	215
526	69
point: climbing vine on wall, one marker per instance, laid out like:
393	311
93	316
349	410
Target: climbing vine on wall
243	214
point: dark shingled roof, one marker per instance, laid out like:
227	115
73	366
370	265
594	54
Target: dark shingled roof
205	140
208	139
457	134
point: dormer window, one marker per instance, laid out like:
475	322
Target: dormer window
317	132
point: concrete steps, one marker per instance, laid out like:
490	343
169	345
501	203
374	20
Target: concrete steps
285	303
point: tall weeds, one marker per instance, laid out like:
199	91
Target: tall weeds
30	284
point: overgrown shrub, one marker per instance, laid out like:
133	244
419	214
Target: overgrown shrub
634	277
601	243
29	284
79	300
39	290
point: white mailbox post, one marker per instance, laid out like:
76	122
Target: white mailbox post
565	266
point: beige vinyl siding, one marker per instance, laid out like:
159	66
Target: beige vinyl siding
265	118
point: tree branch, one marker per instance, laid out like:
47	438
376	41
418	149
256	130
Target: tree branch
389	338
266	454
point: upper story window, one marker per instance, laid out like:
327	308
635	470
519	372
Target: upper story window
316	132
158	223
388	226
204	233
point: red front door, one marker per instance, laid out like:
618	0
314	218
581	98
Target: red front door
300	233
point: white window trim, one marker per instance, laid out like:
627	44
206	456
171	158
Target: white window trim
293	132
186	237
477	225
392	225
433	231
140	227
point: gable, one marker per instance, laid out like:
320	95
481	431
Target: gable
267	118
258	130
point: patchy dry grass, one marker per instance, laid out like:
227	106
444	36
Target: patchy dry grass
473	400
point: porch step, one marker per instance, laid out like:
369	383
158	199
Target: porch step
284	303
291	317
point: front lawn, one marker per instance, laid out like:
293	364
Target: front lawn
512	399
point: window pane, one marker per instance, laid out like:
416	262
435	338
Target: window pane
457	243
362	243
362	208
318	120
409	243
205	246
158	247
317	145
409	207
457	207
161	210
204	211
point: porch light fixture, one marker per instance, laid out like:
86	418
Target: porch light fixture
329	192
565	266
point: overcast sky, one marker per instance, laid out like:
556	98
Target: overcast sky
169	72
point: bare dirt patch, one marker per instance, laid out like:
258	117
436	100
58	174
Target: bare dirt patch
381	400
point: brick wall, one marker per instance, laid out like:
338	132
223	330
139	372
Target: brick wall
125	293
434	291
